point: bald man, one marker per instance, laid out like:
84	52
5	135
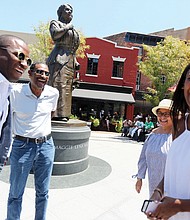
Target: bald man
14	60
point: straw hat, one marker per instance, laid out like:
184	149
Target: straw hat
165	104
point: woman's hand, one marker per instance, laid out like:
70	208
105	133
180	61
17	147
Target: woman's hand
167	208
157	195
138	185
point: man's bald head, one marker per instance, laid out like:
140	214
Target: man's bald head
11	66
9	40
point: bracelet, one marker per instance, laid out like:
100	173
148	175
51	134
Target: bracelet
159	191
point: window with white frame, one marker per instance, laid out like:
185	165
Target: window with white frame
118	67
92	65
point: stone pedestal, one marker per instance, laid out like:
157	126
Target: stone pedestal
71	141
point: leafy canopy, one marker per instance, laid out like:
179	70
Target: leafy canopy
165	60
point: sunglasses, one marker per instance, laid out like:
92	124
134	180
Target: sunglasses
41	72
165	114
20	55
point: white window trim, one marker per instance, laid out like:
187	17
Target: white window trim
118	78
92	56
120	59
91	75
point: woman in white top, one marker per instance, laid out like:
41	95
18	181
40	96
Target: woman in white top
154	152
174	189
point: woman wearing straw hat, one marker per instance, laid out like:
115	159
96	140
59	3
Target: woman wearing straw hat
155	149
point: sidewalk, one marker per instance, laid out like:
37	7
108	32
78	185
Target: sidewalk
105	191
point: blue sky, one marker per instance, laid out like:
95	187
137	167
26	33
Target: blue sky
98	18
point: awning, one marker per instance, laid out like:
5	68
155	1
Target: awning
103	95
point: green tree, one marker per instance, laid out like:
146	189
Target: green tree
40	50
163	65
44	45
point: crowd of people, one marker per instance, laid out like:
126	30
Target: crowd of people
139	128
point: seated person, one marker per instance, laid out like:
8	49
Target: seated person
149	125
138	127
126	126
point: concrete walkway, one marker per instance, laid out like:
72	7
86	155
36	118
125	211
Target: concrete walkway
105	191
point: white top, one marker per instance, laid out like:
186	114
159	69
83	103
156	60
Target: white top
5	89
139	124
177	172
31	114
153	158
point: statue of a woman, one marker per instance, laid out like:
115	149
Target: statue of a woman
62	61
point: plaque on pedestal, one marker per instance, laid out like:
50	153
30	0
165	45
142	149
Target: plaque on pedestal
71	141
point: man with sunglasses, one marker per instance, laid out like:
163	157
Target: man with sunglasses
14	60
33	105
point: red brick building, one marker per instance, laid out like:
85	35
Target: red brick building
131	39
108	76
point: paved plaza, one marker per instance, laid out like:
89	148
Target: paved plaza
104	191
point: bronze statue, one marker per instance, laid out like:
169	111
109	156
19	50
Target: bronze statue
62	61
